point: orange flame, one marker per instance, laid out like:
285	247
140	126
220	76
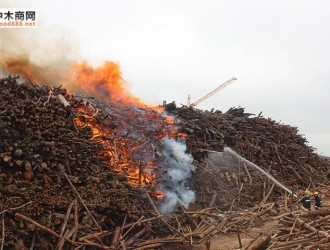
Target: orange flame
104	82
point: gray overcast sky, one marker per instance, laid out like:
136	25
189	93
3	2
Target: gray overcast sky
279	50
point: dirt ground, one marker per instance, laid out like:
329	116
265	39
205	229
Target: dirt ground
230	241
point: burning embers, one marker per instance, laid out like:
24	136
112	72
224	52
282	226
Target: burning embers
133	140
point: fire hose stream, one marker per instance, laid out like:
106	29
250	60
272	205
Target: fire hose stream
233	153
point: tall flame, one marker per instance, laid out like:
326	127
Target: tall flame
104	82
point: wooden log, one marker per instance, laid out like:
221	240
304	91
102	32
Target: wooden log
251	242
66	218
319	221
115	238
309	227
158	214
136	236
317	245
3	234
207	231
61	242
16	208
46	229
65	103
81	200
314	213
150	246
268	194
95	245
213	199
259	243
76	222
265	210
238	236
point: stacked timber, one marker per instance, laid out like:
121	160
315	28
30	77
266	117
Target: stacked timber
276	148
56	187
60	187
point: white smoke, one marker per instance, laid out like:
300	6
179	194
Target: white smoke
47	51
176	170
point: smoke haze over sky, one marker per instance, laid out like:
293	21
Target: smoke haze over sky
279	51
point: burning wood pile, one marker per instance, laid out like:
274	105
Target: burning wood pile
55	179
79	173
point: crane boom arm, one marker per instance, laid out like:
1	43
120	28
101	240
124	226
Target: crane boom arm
214	91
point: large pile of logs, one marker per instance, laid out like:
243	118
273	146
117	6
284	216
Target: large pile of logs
54	180
279	149
65	185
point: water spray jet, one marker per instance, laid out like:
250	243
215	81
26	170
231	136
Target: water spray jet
264	172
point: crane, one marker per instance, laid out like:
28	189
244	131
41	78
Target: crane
231	80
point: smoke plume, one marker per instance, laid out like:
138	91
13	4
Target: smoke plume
51	56
176	170
41	54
